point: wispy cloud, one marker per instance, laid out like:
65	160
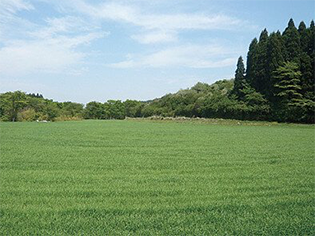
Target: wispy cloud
12	6
51	47
155	21
155	27
48	55
192	56
9	21
54	44
63	25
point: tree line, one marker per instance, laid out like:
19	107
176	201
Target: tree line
277	84
20	106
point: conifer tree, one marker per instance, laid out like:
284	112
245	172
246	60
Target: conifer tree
311	47
312	55
304	36
275	58
292	42
259	81
239	82
251	62
306	61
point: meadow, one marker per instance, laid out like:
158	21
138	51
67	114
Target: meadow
156	178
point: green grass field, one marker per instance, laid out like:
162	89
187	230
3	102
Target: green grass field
156	178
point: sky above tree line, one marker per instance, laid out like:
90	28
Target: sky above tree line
85	50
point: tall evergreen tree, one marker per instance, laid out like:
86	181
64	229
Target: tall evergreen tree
306	61
251	62
291	39
275	58
239	82
312	55
311	47
260	80
304	37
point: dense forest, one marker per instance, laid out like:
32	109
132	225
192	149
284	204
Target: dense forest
277	84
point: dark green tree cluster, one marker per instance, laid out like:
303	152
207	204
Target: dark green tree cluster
281	68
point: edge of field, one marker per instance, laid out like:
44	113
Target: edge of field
215	121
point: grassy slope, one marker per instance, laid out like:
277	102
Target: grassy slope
122	177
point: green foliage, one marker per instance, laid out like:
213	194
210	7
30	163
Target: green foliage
251	61
19	106
266	61
288	79
288	87
292	44
304	36
11	103
275	58
27	115
260	80
239	81
133	108
114	109
94	110
71	109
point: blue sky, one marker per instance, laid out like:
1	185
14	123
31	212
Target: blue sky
84	50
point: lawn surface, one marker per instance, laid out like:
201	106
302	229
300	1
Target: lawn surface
156	178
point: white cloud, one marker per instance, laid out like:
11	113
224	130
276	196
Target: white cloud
48	55
9	22
52	47
63	25
192	56
157	28
166	22
48	48
12	6
25	57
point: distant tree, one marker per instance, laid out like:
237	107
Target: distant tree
251	62
28	114
11	104
288	88
311	53
311	47
304	36
51	109
258	107
71	109
308	86
132	108
275	58
239	81
114	109
260	80
37	95
201	87
292	42
94	110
